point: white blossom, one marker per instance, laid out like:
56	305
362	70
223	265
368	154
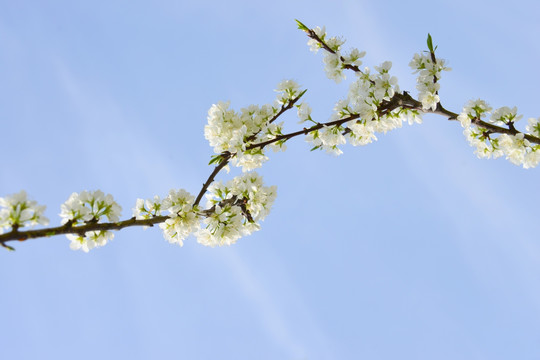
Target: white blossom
429	73
474	109
287	90
465	120
353	57
313	44
235	208
304	112
233	132
258	198
250	160
505	116
147	209
86	206
532	158
90	240
183	219
334	67
533	127
223	227
477	140
360	134
514	147
333	60
90	205
17	211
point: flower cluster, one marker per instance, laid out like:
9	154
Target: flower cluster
235	209
335	61
533	127
232	132
89	207
365	102
429	73
147	209
515	147
17	211
183	219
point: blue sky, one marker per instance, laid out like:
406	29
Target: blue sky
408	248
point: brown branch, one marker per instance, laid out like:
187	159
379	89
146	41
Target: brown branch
225	157
304	131
70	228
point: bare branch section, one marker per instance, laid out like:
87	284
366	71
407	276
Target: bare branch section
69	228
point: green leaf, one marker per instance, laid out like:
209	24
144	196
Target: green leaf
301	26
216	159
430	43
7	247
281	142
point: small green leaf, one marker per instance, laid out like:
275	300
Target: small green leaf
429	42
301	26
7	247
216	159
315	148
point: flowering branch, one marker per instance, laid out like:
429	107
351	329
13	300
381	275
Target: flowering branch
91	227
374	104
518	146
224	157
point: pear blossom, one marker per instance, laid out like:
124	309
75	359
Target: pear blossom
474	109
183	220
334	67
304	112
81	208
353	57
90	240
17	211
287	90
235	208
532	158
505	116
533	127
258	198
516	148
360	134
223	227
313	44
232	132
90	205
334	61
146	209
429	72
485	147
250	160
